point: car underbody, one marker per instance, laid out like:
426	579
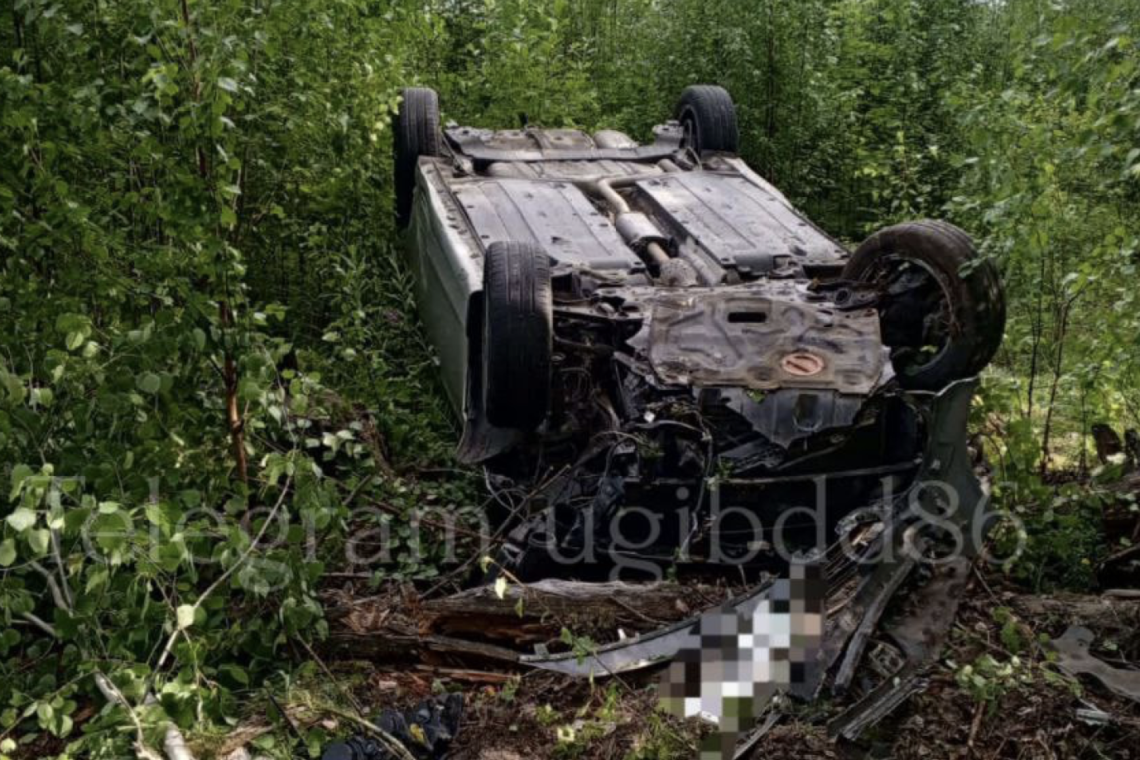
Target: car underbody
704	346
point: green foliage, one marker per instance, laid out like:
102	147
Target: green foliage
988	679
660	740
1059	536
582	646
171	173
203	314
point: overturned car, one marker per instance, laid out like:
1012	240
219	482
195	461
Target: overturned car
658	358
661	363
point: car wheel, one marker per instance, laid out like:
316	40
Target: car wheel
518	329
708	116
416	134
942	309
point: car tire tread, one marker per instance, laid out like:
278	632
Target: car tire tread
517	335
714	113
416	133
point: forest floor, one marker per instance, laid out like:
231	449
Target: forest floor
996	692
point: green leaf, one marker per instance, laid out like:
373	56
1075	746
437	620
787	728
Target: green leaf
22	519
39	540
20	473
150	383
64	727
227	84
15	389
236	672
97	578
7	552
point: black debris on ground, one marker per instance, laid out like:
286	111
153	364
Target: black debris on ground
427	731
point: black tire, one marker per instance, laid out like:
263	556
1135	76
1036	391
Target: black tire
416	134
518	334
943	313
708	116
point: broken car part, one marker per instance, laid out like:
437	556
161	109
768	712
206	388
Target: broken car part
860	582
1074	658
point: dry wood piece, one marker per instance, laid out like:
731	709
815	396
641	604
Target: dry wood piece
548	605
468	676
1123	593
1112	617
477	627
1101	613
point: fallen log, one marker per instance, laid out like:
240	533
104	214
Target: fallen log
536	612
480	627
1097	612
527	614
390	646
1110	617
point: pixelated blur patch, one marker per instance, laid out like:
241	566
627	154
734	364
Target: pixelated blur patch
739	659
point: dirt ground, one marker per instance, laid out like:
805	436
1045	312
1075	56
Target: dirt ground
996	693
